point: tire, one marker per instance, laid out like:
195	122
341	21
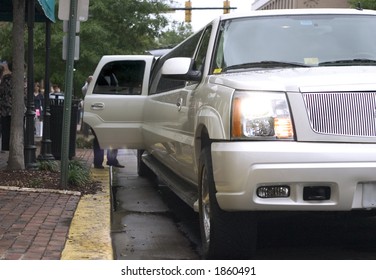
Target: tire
224	235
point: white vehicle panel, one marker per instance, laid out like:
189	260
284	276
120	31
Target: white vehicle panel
347	169
116	113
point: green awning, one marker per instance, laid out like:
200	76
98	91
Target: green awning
48	7
44	10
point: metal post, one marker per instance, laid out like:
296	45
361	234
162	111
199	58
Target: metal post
30	148
68	93
45	150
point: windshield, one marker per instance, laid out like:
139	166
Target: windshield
311	40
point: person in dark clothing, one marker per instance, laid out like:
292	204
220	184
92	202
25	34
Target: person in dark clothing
38	104
99	156
38	99
6	104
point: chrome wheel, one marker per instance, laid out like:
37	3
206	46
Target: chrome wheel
205	206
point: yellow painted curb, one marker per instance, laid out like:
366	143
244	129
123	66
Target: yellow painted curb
89	234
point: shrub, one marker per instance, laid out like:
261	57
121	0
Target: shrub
49	165
78	173
84	142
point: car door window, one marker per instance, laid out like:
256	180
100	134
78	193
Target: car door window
186	49
201	53
121	78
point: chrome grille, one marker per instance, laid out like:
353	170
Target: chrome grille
346	113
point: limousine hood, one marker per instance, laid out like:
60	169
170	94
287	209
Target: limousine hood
313	79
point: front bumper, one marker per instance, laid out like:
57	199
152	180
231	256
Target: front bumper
239	168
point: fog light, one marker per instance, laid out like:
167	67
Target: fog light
316	193
273	191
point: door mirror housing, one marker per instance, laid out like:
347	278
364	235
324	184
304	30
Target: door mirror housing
181	68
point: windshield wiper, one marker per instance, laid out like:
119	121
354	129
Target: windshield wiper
266	64
356	61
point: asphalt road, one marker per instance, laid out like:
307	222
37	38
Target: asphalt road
150	222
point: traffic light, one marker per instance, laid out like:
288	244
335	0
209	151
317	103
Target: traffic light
226	7
188	11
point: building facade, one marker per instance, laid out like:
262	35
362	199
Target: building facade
298	4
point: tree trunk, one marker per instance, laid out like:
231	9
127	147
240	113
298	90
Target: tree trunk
16	149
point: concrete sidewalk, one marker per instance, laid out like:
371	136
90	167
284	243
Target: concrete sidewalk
40	224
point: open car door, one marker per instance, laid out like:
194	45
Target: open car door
114	102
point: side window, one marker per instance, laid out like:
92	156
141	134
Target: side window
121	78
185	49
201	53
218	62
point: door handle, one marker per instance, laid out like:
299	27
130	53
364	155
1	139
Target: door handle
97	106
179	103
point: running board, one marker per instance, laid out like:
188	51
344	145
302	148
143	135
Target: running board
183	189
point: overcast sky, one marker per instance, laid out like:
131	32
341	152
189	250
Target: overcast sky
201	17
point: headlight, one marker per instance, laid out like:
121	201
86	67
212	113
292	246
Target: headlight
261	114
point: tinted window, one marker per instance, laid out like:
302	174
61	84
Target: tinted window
185	49
201	53
121	77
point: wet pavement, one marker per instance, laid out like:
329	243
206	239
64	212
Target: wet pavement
143	226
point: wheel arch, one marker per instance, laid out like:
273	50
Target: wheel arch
202	140
209	127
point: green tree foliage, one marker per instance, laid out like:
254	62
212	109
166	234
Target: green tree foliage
5	45
113	27
176	33
118	27
365	4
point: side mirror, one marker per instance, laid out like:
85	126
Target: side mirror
180	68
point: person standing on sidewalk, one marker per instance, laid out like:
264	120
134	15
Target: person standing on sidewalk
98	152
38	103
